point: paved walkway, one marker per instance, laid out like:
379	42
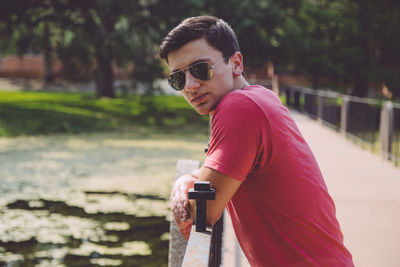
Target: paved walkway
366	191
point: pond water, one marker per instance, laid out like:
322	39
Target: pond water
91	199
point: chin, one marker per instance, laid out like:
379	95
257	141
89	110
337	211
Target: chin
203	112
202	109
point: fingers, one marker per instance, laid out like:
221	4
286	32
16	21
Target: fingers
179	198
180	204
180	213
185	228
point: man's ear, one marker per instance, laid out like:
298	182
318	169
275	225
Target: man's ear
237	64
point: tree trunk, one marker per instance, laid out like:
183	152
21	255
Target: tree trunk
315	80
48	61
361	75
360	87
100	34
104	74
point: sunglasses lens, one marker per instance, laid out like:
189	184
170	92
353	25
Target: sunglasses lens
177	80
201	71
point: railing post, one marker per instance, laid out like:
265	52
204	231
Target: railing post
198	249
291	96
177	243
288	93
296	99
320	106
302	100
204	247
386	129
344	114
216	243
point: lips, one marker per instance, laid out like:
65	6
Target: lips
198	98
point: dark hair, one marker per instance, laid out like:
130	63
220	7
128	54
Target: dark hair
216	32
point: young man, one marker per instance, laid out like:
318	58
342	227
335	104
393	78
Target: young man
262	169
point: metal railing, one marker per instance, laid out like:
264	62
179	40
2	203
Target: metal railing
330	111
204	247
372	123
363	121
394	150
199	239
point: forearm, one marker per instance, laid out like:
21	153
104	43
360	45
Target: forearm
196	174
185	209
215	207
225	188
212	216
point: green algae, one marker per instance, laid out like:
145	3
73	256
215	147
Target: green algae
89	200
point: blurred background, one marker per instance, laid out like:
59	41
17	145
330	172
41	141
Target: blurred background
90	132
348	46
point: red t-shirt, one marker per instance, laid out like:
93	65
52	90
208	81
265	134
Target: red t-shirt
282	213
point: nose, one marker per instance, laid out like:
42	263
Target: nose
191	82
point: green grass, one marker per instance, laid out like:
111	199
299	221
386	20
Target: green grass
34	113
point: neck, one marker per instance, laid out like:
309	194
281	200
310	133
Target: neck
240	83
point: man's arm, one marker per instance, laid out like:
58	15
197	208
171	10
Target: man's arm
225	188
184	213
179	201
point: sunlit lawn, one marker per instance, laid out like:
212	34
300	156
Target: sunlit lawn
32	113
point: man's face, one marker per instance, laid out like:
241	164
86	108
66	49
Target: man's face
202	95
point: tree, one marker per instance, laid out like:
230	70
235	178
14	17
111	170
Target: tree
93	25
25	30
89	34
258	28
348	42
352	43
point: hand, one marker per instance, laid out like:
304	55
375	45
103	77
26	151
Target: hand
180	203
185	228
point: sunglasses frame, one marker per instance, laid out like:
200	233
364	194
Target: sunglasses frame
210	72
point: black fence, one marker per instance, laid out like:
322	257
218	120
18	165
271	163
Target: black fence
364	121
331	110
395	143
310	104
372	123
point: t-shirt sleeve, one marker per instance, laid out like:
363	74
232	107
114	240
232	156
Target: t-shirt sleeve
236	137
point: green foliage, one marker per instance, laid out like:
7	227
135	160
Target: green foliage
257	25
76	57
32	113
345	41
350	43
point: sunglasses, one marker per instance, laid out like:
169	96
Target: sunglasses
200	70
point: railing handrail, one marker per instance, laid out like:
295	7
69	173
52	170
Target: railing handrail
210	242
198	249
204	248
380	118
366	100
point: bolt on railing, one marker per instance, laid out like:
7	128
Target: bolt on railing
201	193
